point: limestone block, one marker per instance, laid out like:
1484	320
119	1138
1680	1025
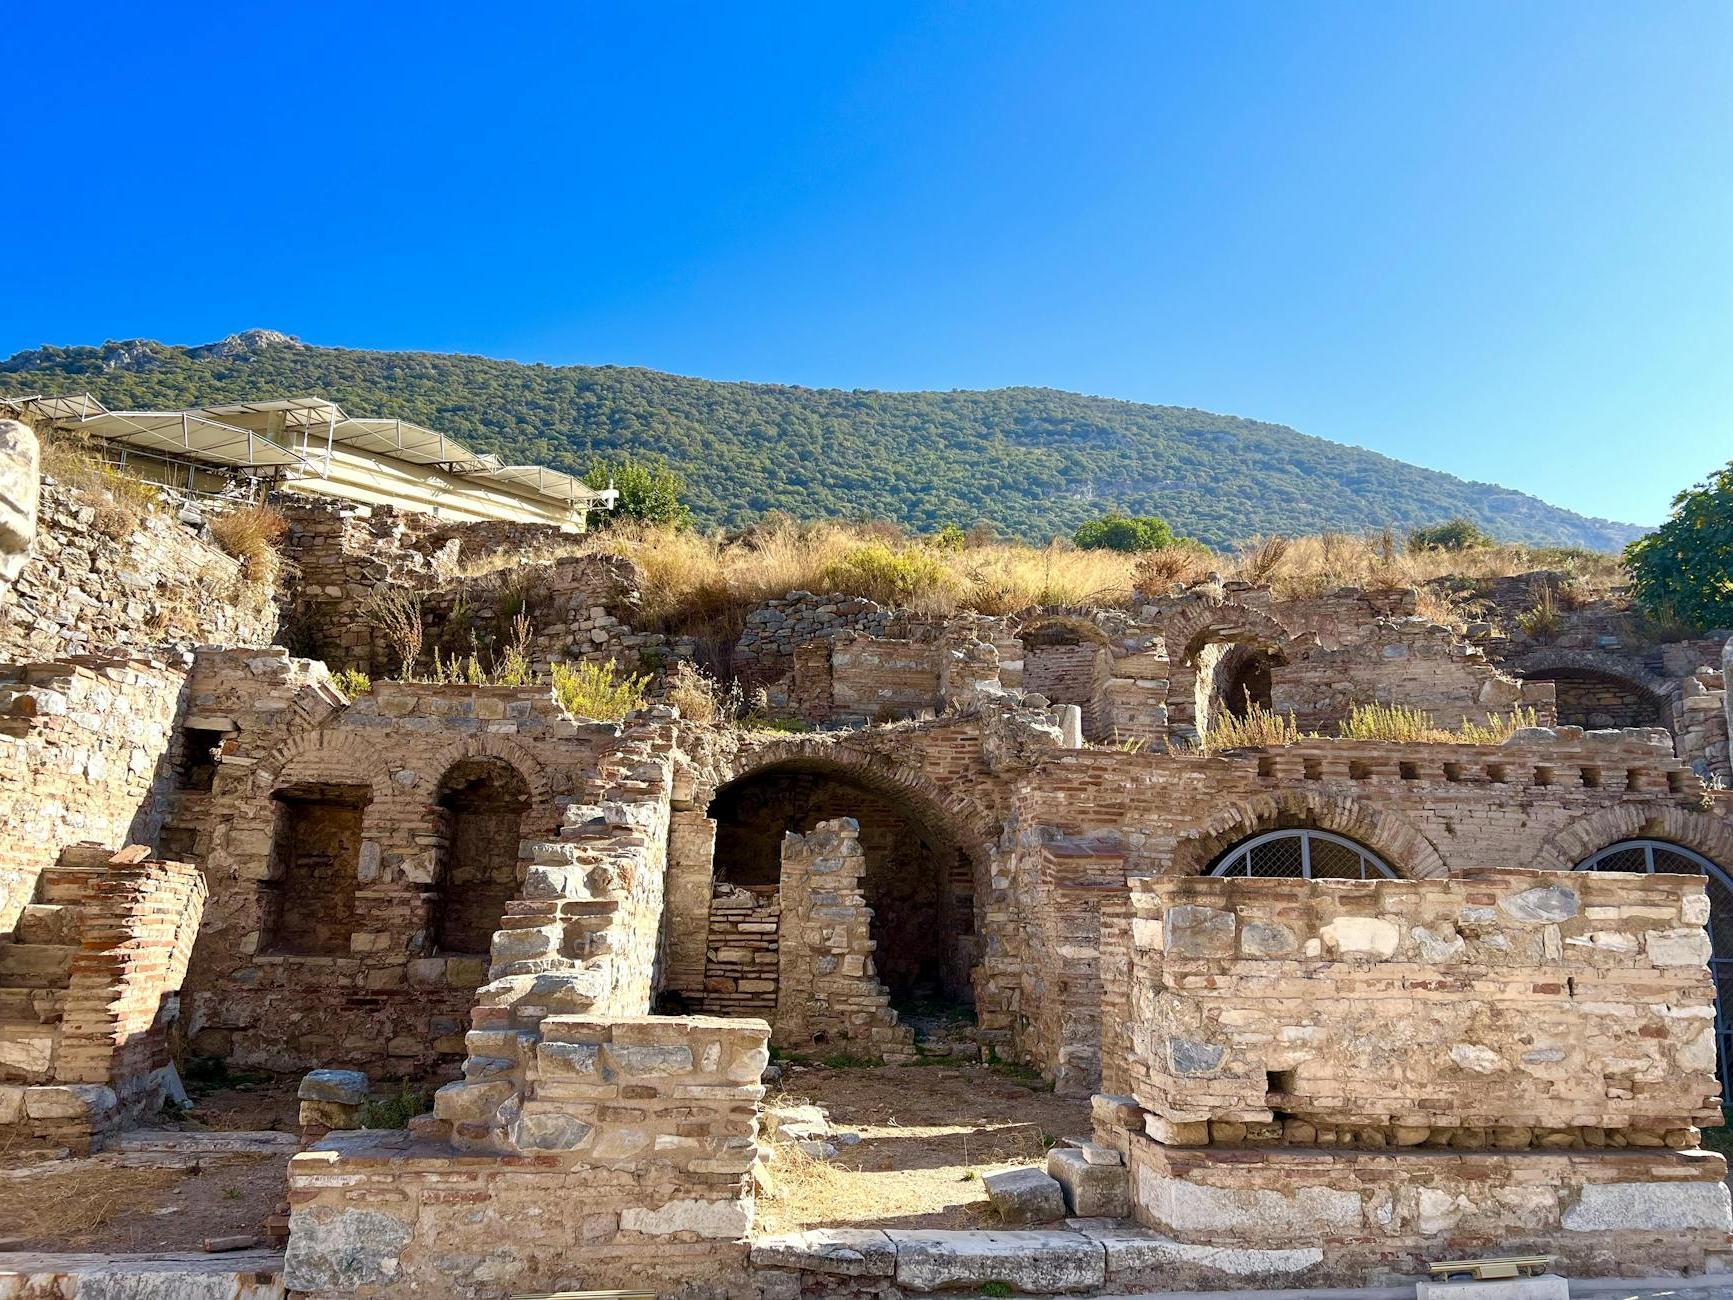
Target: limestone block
1032	1262
539	1130
1025	1196
472	1103
650	1060
1650	1207
714	1220
1542	904
1548	1286
92	1103
1091	1190
11	1104
329	1114
340	1250
1361	936
1196	1209
1192	931
345	1087
1134	1253
844	1252
569	1060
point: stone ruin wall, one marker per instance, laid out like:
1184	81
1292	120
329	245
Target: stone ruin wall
96	582
84	745
376	992
1553	1051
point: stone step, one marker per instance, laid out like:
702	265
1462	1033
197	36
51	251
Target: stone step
48	923
62	885
35	965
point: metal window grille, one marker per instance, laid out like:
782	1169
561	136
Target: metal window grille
1651	857
1302	855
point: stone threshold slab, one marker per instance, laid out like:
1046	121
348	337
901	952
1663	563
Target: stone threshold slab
242	1275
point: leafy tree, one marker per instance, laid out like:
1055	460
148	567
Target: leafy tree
1684	569
1122	532
1457	534
649	491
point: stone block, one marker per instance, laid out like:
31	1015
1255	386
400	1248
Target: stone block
843	1252
1024	1196
1192	931
1091	1190
345	1087
331	1250
1036	1263
1548	1286
1650	1207
91	1103
712	1220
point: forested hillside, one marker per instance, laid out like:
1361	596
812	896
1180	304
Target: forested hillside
1033	462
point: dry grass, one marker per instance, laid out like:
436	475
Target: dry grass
122	500
1260	728
1399	722
251	533
72	1207
704	585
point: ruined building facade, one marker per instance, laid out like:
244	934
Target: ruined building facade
1274	969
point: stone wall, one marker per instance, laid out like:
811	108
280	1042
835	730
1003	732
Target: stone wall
777	628
828	992
85	748
636	1134
97	580
742	960
1408	662
342	963
1525	1008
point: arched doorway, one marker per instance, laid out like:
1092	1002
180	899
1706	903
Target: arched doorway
480	804
1304	854
1651	857
918	882
1241	681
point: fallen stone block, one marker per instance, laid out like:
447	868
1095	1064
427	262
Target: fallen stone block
1092	1190
1032	1262
345	1087
1025	1196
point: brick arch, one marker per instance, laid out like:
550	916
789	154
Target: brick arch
946	808
499	748
1685	827
327	758
1189	630
1400	844
1081	619
1553	659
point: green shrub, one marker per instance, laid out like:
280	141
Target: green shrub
1683	570
888	575
352	682
1121	532
395	1111
1457	534
592	690
648	489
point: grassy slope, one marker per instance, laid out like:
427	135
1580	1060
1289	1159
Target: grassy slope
1033	462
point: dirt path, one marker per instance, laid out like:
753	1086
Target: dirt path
927	1135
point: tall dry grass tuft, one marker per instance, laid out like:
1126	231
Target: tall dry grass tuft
250	533
1259	728
1400	722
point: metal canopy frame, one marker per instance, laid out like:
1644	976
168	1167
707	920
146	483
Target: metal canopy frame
1659	857
1294	856
296	436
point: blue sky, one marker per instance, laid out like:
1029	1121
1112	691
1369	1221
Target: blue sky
1496	239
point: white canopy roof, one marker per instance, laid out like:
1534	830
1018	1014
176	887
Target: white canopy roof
291	433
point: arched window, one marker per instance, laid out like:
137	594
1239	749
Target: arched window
1652	857
1303	855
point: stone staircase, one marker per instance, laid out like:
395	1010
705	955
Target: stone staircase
35	968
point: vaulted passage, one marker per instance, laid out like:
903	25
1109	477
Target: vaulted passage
481	804
918	882
1598	700
1068	666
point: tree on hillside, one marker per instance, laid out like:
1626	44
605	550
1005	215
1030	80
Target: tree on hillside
1458	534
1684	569
649	491
1121	532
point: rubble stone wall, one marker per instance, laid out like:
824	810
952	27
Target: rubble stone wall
640	1130
83	749
1525	1008
95	581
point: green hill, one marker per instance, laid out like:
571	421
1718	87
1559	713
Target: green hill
1032	461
